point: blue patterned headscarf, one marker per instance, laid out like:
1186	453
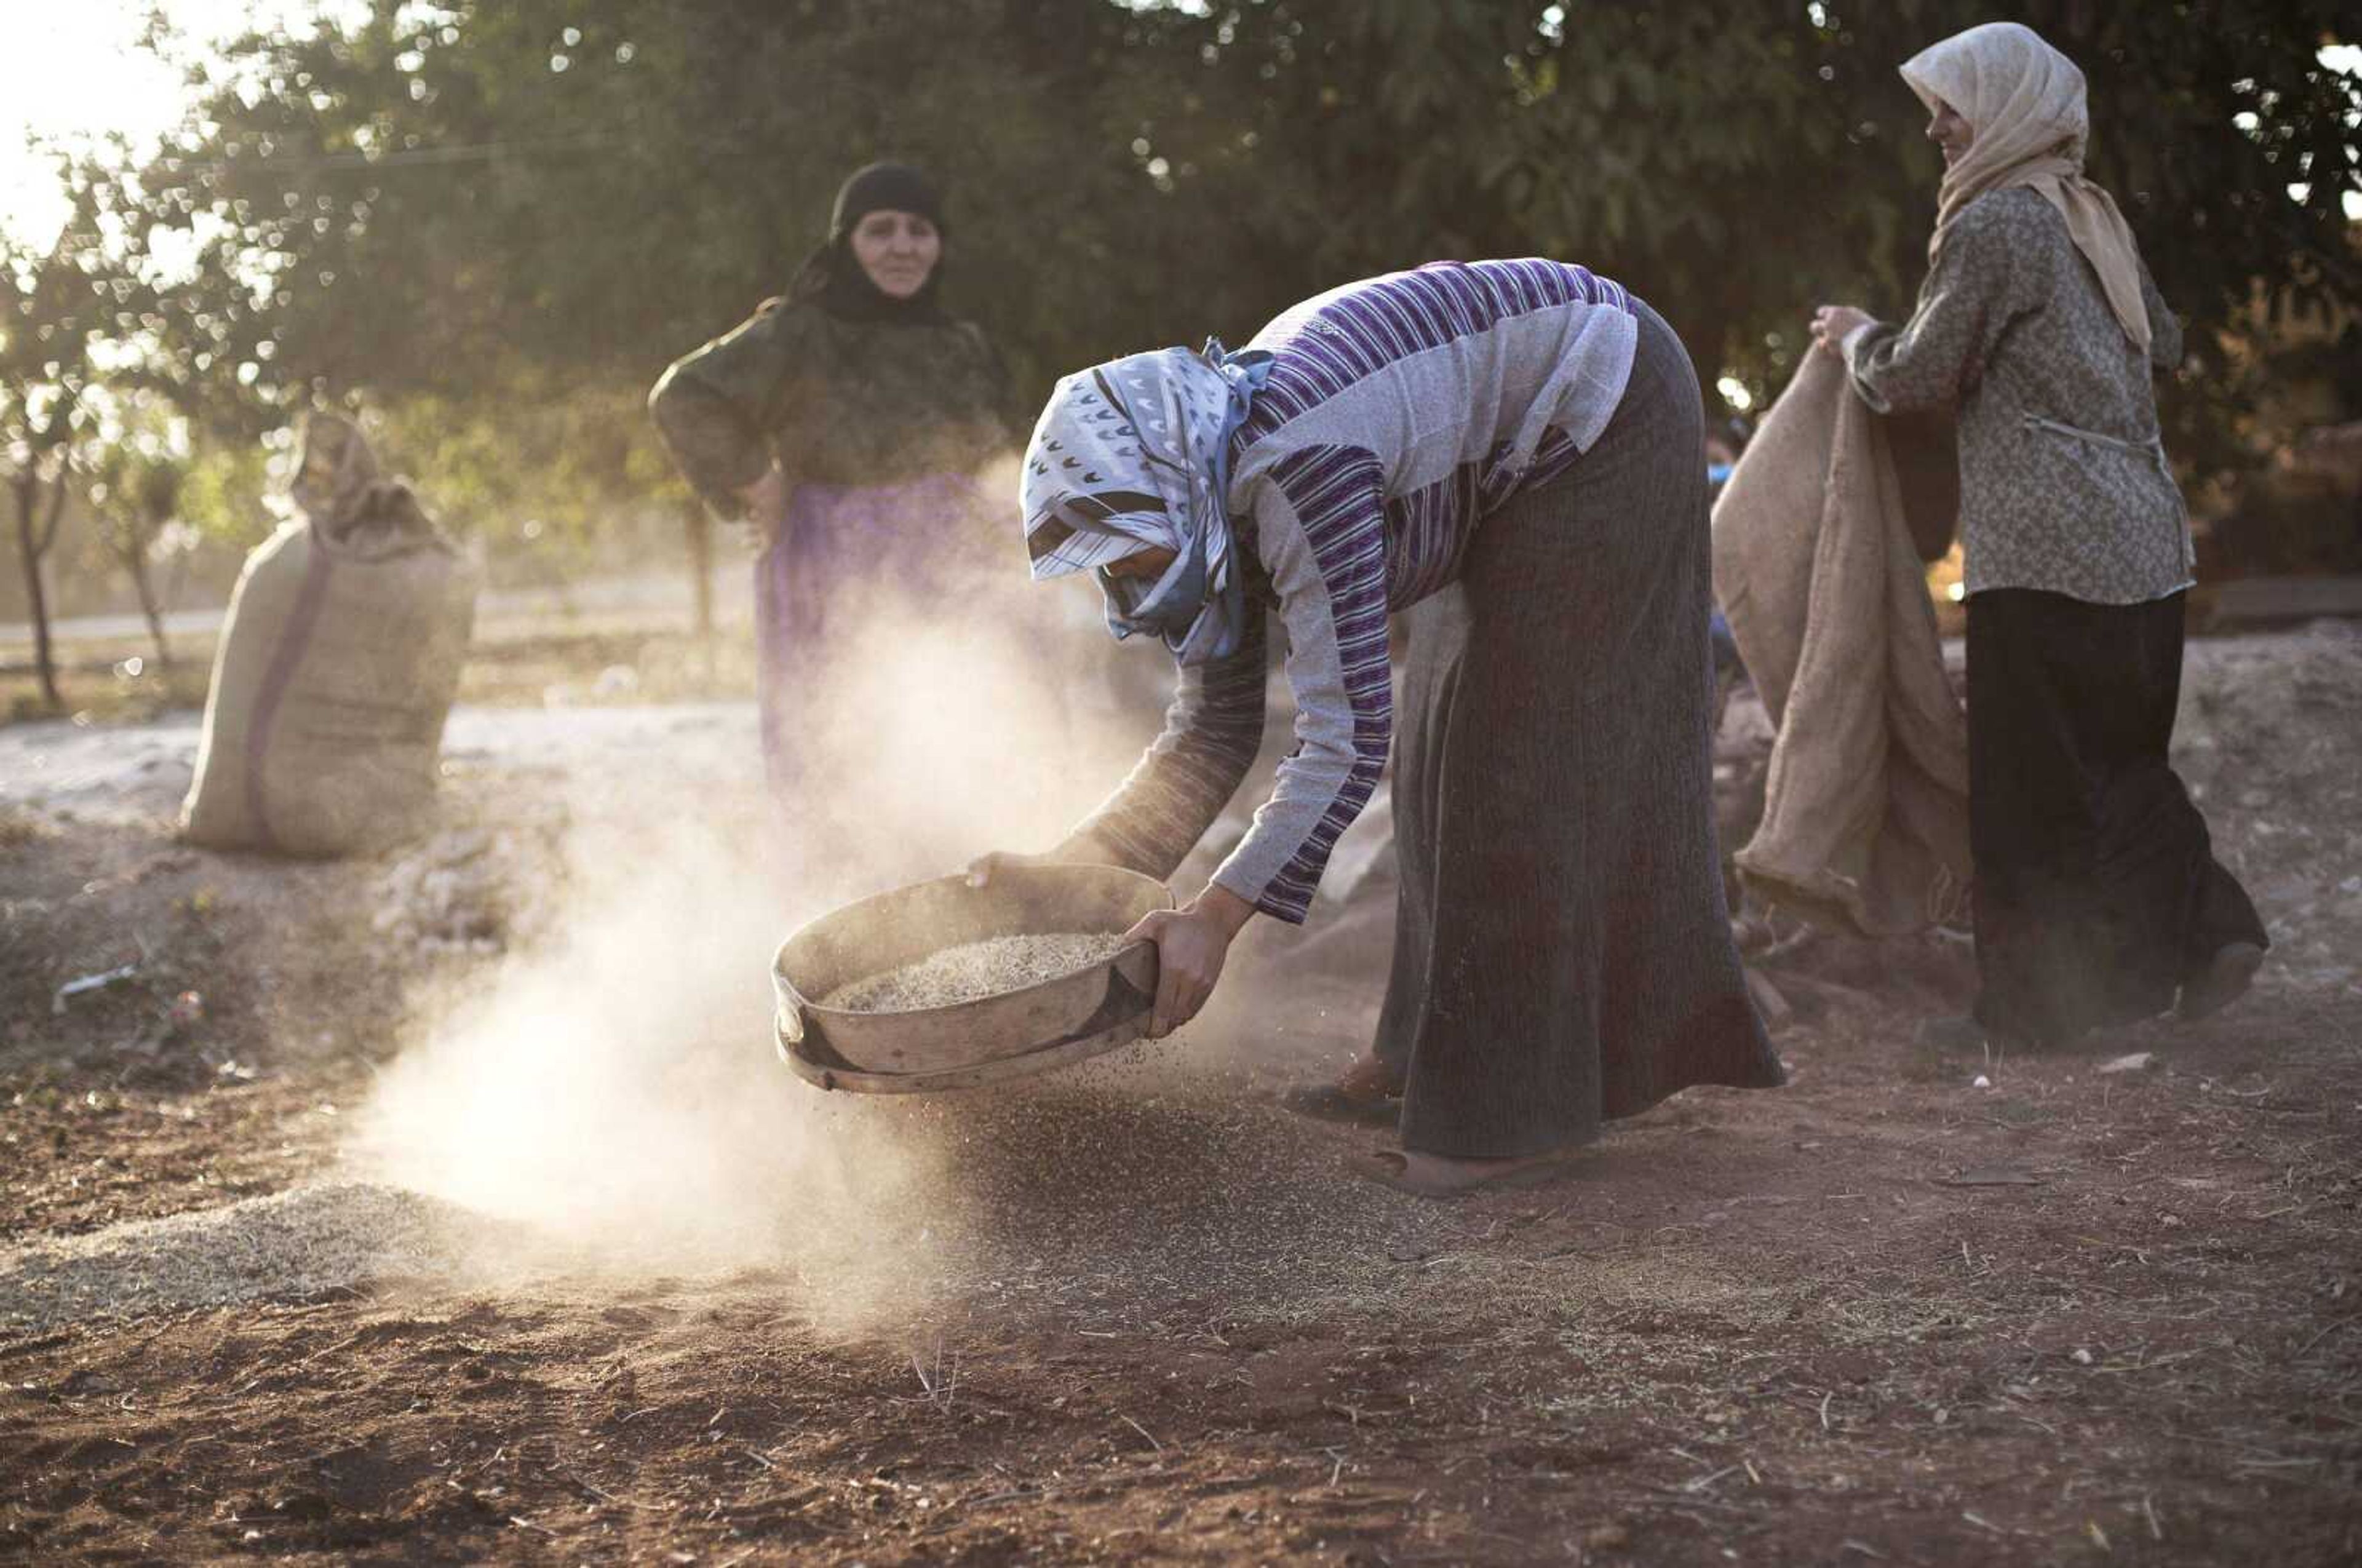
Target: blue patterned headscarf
1134	454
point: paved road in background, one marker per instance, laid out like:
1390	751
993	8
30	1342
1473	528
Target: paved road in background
653	599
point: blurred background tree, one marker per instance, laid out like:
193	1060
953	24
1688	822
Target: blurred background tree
493	225
65	312
136	485
472	201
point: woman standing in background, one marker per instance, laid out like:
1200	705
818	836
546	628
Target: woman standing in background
2098	899
845	422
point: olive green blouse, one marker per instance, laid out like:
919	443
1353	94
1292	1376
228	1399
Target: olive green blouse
832	401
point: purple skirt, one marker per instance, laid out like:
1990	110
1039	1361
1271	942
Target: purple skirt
843	556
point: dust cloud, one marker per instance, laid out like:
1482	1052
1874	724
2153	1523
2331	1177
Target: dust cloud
615	1090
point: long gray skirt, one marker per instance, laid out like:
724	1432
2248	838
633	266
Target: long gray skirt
1563	950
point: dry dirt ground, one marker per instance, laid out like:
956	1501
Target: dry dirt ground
1911	1308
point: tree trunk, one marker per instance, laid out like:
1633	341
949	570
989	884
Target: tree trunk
32	542
135	561
699	524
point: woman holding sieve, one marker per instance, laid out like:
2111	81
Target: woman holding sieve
1513	448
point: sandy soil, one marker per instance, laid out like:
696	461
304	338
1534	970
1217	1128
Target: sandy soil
448	1208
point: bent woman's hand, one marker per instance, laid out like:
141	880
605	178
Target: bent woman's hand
986	866
1080	850
1191	944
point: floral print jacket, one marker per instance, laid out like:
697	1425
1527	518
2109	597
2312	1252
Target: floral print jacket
2064	485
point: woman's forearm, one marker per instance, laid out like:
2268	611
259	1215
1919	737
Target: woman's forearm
1933	359
1225	909
1212	735
712	441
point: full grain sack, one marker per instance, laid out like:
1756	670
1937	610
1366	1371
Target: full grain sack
336	668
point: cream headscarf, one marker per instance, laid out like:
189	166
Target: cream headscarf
2024	101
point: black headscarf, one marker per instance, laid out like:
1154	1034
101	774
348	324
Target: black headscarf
832	275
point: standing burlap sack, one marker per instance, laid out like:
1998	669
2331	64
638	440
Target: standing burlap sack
1865	817
336	669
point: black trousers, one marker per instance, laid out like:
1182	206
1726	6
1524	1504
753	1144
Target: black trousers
2097	889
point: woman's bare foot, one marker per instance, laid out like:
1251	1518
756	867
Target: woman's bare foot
1440	1175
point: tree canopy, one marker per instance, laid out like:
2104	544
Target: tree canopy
497	222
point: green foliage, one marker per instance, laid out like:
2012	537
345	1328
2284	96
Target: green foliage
497	222
56	308
534	460
136	478
1736	165
221	494
63	313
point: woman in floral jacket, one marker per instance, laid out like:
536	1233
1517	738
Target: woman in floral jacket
2098	899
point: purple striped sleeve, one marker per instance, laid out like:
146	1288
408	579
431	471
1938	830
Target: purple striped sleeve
1338	496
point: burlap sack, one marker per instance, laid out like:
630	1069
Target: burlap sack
336	669
1865	819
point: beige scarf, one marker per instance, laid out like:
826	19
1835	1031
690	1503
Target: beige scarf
2024	101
